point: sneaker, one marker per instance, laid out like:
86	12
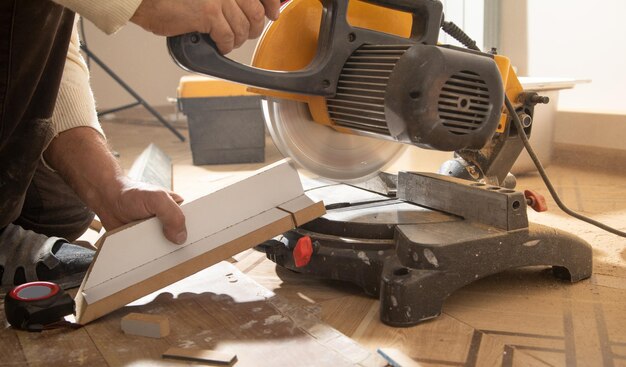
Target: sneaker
26	256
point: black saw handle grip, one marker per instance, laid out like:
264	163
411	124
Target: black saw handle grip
196	52
427	17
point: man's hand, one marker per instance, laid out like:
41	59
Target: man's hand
229	22
136	200
82	158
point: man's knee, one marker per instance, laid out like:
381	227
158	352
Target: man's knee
52	208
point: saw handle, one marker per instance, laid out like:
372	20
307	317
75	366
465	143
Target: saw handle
196	52
427	17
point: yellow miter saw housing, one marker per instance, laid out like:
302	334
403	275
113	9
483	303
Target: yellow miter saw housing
387	83
371	69
344	83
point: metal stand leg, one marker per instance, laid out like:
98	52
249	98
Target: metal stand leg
138	98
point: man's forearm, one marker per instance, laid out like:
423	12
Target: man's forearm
82	158
109	15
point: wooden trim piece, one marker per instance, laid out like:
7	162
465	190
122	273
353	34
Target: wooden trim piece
144	242
303	209
138	260
153	167
201	355
273	221
149	325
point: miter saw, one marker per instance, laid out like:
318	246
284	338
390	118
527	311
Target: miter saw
347	86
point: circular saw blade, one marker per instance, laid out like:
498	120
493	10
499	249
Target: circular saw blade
322	150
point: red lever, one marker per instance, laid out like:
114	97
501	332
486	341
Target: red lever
303	251
535	200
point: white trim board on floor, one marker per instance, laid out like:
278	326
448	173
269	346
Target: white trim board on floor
132	262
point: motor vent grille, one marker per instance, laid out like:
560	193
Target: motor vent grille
464	103
360	99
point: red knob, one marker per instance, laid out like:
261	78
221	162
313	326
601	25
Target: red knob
303	251
535	200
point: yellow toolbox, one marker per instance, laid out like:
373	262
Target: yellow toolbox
225	121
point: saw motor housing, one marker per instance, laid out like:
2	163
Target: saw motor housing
429	96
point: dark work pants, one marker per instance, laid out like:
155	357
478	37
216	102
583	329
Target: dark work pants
34	38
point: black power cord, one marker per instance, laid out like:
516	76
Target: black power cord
458	34
544	176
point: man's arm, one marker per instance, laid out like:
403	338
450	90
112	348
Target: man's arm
229	22
81	156
108	15
79	152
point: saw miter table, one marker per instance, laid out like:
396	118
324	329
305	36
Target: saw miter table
347	86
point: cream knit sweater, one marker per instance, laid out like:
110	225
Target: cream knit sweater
75	104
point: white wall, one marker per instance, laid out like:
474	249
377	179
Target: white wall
580	40
584	40
513	33
468	15
141	60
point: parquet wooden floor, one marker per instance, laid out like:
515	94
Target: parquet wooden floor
523	317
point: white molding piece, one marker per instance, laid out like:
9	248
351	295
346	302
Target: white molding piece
128	250
138	259
148	325
154	167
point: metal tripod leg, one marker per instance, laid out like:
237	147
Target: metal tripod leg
138	98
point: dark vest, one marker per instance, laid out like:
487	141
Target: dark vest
34	38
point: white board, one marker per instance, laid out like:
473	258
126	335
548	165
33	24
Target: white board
138	259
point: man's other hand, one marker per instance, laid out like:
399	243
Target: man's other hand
229	22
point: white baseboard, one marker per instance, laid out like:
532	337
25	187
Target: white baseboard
589	129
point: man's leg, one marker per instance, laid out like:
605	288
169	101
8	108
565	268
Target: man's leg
52	208
34	39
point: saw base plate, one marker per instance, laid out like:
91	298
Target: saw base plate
412	257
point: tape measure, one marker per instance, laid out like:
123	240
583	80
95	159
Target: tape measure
37	306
